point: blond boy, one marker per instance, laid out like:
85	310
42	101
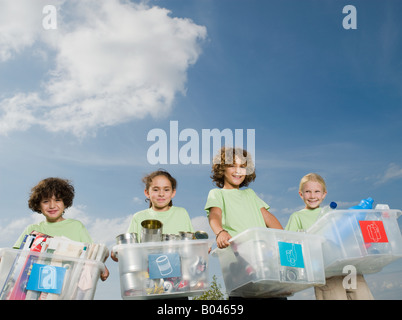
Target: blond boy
313	190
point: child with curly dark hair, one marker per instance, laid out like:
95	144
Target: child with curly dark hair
231	210
51	197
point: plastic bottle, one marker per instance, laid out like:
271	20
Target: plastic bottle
371	247
327	209
244	266
381	206
364	204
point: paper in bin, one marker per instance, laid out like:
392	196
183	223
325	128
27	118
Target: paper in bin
46	278
165	265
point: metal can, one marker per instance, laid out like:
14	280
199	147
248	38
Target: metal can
198	266
168	286
131	282
184	235
170	237
197	285
200	235
154	286
183	285
126	238
151	231
131	259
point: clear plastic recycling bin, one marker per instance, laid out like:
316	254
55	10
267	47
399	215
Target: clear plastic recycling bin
262	262
165	269
29	275
366	239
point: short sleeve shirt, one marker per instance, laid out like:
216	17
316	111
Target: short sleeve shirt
302	219
241	208
174	220
70	228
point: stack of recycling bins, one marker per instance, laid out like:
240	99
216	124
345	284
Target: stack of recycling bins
263	263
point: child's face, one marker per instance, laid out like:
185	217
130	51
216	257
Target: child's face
234	175
312	194
160	193
53	209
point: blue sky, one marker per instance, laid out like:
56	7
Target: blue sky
78	102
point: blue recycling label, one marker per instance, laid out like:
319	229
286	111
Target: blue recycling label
164	265
46	278
291	254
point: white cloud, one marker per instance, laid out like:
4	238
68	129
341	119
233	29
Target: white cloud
115	61
14	35
101	230
106	230
392	172
16	112
11	229
138	200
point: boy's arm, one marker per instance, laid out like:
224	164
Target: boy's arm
270	220
215	221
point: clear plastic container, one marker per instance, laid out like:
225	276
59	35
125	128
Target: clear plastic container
28	275
367	239
262	262
166	269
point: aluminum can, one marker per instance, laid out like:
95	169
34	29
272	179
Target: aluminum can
125	238
151	231
200	235
184	235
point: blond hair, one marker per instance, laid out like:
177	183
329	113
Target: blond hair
312	177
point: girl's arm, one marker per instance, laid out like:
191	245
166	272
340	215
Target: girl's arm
215	221
270	220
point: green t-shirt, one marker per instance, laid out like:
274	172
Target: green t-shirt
174	220
241	208
302	219
70	228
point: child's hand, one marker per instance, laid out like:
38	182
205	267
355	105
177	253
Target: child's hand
222	239
104	275
114	257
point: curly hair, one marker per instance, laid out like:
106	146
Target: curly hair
147	180
225	158
47	188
